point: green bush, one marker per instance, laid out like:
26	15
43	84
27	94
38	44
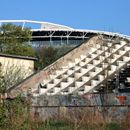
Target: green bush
49	54
112	126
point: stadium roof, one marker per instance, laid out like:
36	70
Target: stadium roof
47	26
43	25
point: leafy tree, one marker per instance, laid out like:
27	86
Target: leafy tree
14	40
22	49
49	54
46	56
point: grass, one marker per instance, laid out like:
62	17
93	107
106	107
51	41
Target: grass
80	119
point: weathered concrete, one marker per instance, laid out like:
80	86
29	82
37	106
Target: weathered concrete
35	79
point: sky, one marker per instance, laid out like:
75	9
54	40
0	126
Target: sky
104	15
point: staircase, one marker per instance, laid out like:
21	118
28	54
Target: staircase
120	81
84	69
88	71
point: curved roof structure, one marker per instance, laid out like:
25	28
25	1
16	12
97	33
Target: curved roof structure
43	25
53	30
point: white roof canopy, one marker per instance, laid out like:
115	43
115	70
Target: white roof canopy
57	27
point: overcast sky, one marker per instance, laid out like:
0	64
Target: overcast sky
107	15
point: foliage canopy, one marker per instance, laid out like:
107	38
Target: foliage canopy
14	40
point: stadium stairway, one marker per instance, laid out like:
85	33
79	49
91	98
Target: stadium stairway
84	69
88	71
120	81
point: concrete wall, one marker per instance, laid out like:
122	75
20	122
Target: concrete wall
7	64
45	107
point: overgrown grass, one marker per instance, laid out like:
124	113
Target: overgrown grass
72	119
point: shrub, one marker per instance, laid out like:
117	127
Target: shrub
112	126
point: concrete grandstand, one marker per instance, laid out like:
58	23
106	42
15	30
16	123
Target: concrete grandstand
99	63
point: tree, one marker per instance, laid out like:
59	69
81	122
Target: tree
46	55
14	40
22	49
49	54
